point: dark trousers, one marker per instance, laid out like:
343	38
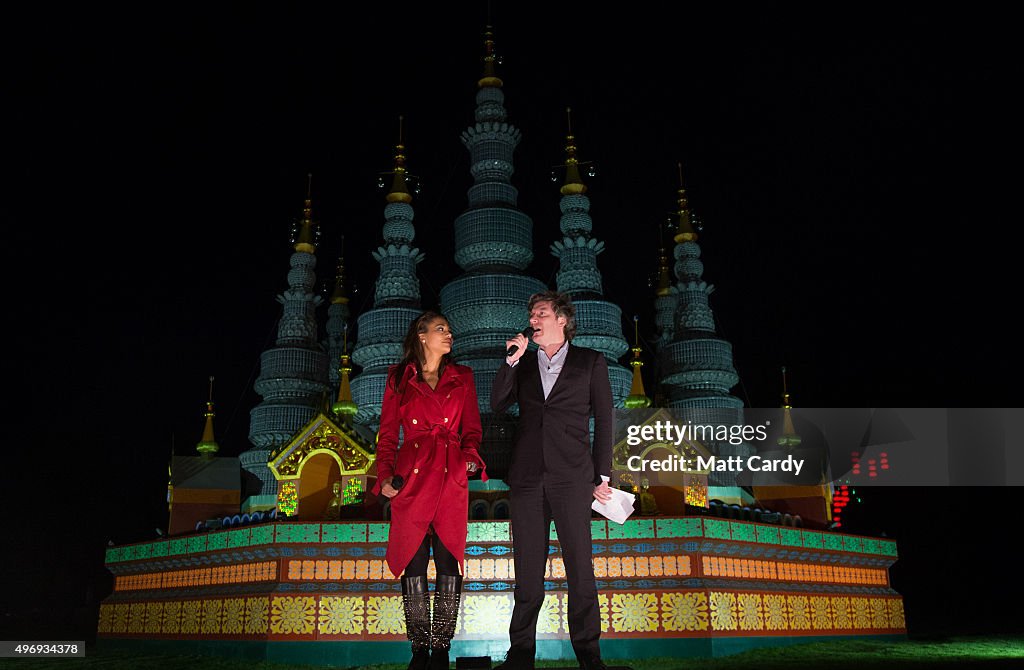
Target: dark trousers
444	562
533	508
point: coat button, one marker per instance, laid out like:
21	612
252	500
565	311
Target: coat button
448	396
415	471
446	419
417	445
446	469
414	422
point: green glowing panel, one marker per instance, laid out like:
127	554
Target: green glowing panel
679	528
377	532
177	546
217	541
833	542
632	529
114	555
717	530
852	544
488	531
261	535
744	532
342	533
813	539
160	549
869	546
791	537
552	534
197	544
238	538
768	535
298	532
598	530
888	548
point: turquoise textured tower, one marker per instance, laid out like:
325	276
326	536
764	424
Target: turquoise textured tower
493	244
293	373
598	322
697	366
396	300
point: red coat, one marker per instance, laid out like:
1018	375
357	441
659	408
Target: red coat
441	433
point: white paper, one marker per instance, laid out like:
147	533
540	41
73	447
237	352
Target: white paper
618	509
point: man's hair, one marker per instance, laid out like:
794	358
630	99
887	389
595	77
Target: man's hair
561	305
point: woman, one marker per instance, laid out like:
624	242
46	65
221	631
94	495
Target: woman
434	402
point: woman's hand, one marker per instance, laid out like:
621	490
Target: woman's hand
470	467
387	489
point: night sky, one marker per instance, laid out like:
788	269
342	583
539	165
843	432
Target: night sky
158	169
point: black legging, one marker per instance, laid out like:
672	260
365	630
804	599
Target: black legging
444	562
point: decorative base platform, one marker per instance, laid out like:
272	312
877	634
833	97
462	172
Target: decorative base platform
669	586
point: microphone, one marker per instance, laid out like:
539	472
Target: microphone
526	333
397	481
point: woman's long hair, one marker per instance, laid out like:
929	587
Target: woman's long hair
412	349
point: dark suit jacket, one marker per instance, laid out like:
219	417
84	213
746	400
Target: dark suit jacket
554	434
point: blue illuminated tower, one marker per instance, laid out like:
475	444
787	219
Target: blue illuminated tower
396	300
697	368
493	245
293	373
598	322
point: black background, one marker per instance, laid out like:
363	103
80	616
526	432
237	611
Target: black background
841	165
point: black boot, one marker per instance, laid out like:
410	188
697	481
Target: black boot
416	600
447	594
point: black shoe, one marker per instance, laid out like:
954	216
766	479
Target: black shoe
592	663
420	660
438	659
517	658
416	602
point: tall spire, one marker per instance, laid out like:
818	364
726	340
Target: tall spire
637	396
396	298
337	320
344	409
789	437
208	444
293	378
493	246
697	367
599	322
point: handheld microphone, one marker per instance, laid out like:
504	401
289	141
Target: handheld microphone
526	333
397	481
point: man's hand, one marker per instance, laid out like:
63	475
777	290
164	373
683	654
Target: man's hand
387	489
470	467
519	341
603	493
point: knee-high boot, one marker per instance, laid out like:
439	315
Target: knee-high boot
416	601
447	594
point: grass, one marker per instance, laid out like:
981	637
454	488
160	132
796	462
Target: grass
972	652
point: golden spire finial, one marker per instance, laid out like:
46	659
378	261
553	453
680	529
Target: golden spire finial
789	437
490	77
399	188
208	445
306	239
344	409
685	231
340	296
573	182
637	395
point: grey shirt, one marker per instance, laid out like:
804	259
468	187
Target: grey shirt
550	367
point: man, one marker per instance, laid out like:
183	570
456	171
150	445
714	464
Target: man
554	473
